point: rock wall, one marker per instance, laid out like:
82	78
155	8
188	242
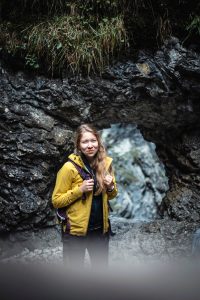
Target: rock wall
158	92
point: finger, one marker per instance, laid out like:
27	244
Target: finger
90	187
108	180
89	182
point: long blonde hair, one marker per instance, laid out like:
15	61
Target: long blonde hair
99	162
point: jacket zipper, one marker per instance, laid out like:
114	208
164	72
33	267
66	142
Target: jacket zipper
91	204
91	200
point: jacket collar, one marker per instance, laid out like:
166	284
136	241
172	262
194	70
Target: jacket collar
78	160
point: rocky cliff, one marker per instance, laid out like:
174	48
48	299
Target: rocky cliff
157	91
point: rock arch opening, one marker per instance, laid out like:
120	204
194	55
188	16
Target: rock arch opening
140	175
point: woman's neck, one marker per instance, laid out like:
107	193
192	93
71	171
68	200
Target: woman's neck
88	159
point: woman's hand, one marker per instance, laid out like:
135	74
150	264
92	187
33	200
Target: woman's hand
87	185
108	181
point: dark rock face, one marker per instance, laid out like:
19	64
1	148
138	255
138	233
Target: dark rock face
160	93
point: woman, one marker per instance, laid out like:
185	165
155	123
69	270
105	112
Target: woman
83	187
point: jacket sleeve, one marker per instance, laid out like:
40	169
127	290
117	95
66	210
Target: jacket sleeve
114	192
63	193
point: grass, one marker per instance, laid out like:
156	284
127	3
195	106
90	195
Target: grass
68	41
194	25
85	35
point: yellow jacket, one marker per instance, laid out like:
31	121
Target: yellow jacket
67	193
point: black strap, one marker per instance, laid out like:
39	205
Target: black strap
84	175
61	212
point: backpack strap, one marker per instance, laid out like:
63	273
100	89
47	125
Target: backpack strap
84	175
61	212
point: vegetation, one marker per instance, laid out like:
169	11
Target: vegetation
85	36
66	40
194	25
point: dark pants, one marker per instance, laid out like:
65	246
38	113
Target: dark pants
96	244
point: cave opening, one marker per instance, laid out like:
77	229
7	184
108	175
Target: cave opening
140	175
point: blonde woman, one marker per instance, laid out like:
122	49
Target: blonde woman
83	188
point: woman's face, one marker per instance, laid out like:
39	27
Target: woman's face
89	145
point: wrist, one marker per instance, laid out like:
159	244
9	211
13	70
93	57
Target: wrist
111	188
